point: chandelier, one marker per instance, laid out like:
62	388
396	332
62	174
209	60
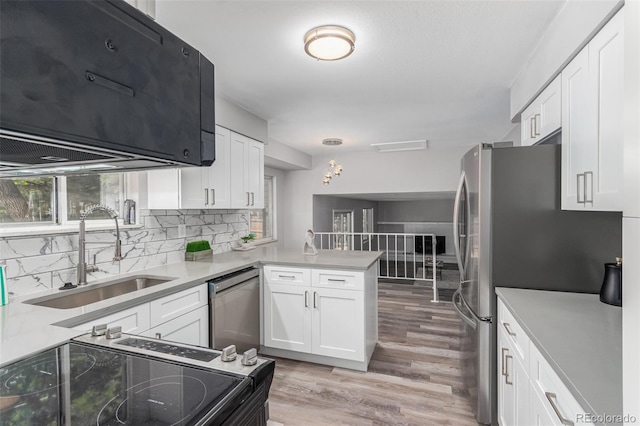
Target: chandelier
335	169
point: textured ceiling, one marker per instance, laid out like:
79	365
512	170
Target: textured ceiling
436	70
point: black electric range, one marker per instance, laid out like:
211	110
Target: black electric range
132	380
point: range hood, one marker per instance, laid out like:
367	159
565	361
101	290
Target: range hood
99	86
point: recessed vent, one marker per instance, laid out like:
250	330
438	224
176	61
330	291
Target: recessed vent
31	153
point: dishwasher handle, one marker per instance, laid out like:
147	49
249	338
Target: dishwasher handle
224	282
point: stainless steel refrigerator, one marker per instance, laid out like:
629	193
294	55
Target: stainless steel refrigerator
509	231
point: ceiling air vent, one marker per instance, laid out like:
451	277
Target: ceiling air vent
401	146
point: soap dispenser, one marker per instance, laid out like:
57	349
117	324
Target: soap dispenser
611	290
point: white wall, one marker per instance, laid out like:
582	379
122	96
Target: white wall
240	120
284	157
435	169
572	28
631	216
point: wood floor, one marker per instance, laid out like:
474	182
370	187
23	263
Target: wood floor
413	379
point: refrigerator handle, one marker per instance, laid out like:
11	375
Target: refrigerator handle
456	231
464	303
457	306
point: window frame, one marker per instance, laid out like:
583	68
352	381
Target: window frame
274	212
60	221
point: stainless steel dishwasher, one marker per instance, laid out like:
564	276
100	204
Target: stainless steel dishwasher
234	301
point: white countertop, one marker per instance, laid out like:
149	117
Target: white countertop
580	337
26	329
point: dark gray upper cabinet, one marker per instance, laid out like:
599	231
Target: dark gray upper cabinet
102	74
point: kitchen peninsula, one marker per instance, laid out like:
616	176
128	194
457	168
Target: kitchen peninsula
26	328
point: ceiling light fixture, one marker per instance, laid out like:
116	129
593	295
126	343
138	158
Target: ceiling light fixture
335	169
329	43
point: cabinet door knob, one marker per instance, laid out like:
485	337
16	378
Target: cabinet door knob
252	198
206	196
213	196
247	198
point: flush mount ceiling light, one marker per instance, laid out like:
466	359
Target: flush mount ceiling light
335	169
329	43
401	146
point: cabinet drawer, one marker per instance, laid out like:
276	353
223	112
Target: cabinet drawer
133	320
514	333
555	396
285	275
337	279
174	305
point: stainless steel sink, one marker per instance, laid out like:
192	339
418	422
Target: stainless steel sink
94	293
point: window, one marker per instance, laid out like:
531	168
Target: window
27	200
58	200
262	222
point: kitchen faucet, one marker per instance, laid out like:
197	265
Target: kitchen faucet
83	268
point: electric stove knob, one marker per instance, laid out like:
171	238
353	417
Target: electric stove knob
114	332
99	330
229	354
250	357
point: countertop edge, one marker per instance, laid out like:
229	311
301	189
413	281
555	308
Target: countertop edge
60	327
584	403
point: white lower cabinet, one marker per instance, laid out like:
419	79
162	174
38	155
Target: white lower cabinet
337	324
287	317
529	390
318	316
133	320
191	328
539	414
513	384
179	317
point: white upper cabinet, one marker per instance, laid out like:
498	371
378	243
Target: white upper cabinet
247	173
208	187
234	180
543	116
592	123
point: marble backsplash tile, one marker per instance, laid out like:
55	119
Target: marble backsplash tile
39	263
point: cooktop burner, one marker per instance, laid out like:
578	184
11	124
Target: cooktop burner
138	390
146	402
169	349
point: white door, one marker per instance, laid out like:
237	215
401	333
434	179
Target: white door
528	129
578	130
539	416
287	317
338	323
550	118
220	171
506	390
255	174
194	189
606	74
343	224
240	197
191	328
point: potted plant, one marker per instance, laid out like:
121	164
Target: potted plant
248	238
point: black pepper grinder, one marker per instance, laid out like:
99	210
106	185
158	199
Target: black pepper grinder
611	290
